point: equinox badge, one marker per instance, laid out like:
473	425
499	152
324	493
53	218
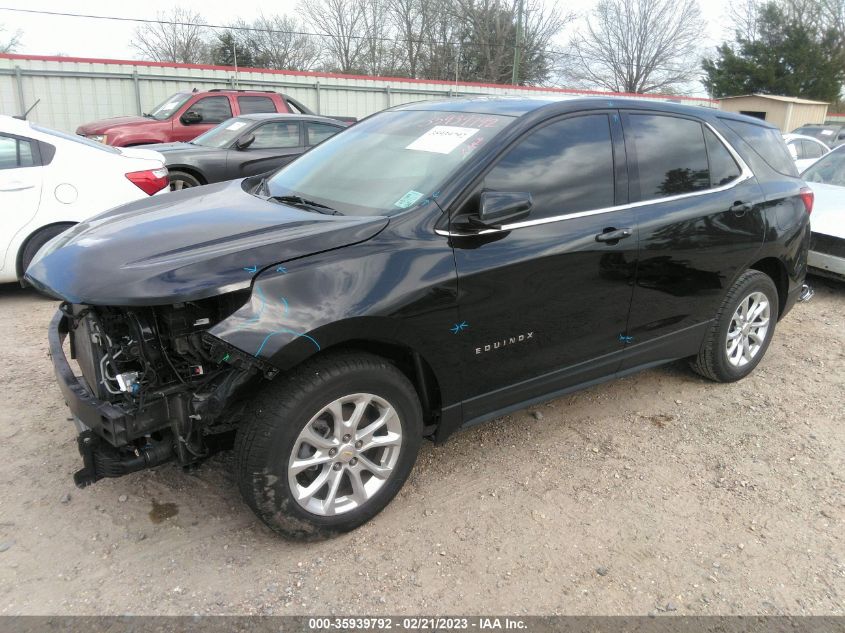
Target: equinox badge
513	340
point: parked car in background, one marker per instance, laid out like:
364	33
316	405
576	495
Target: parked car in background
185	115
244	146
434	266
805	150
826	178
831	135
50	180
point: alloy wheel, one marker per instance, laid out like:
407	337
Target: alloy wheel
345	454
178	184
748	329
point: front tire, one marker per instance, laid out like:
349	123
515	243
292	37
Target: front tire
328	448
741	331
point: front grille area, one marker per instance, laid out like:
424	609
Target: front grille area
87	354
827	245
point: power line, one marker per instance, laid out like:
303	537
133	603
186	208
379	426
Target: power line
551	52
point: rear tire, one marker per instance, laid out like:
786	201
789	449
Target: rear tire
742	330
301	455
182	180
36	241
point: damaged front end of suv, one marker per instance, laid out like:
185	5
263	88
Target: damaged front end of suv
170	337
163	387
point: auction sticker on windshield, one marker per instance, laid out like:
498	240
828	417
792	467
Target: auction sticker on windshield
408	199
237	125
442	139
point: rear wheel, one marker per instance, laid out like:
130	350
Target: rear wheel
329	448
182	180
742	330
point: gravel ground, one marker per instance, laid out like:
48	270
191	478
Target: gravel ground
658	492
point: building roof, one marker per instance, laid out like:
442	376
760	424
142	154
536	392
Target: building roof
776	98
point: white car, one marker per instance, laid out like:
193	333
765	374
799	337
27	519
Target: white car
50	180
826	178
805	150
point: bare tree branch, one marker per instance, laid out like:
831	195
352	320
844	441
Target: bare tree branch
344	23
181	37
279	42
11	44
637	46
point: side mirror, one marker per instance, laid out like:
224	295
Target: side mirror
841	136
191	117
501	207
245	141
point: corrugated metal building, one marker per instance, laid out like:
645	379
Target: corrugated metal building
787	113
76	90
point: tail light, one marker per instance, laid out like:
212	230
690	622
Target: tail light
807	197
150	181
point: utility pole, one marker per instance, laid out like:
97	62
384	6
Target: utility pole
517	45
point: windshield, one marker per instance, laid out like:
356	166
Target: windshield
166	108
828	170
388	162
77	139
824	133
222	135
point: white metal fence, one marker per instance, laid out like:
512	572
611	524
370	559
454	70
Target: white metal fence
73	91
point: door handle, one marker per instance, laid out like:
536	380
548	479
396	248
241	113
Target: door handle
740	208
611	235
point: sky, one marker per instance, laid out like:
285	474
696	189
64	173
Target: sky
79	37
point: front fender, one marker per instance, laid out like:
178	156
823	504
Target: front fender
373	291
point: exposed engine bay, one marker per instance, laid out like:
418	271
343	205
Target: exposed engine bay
173	390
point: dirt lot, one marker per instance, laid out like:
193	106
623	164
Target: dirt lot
657	492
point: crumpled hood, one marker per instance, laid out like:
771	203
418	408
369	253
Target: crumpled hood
104	125
185	246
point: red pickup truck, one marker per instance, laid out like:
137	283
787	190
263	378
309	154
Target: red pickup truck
185	115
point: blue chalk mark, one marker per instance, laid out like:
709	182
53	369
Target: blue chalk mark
257	316
459	327
285	301
625	339
285	331
251	269
282	269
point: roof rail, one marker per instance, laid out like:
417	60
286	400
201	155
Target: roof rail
239	90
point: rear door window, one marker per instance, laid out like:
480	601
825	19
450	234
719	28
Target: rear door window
767	143
278	134
671	155
16	153
253	105
566	166
213	109
723	167
812	150
319	132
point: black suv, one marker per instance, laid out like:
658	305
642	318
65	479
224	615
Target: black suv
432	267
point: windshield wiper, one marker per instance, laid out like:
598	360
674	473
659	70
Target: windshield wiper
302	203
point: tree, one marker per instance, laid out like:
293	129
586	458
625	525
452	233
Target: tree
180	36
412	20
637	46
228	49
789	56
11	43
279	42
343	21
488	36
